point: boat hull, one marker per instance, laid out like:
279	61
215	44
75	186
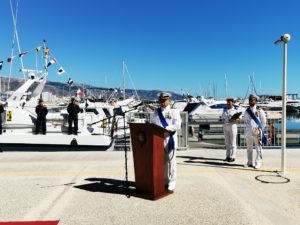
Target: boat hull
57	139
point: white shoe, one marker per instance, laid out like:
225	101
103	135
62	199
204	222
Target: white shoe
171	186
258	165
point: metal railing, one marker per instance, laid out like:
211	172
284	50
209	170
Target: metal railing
212	132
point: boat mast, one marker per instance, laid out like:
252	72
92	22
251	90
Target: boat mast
226	88
123	74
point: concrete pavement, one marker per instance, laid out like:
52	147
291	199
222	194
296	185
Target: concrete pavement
80	188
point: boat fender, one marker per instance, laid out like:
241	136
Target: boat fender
74	142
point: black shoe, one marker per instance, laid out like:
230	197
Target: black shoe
226	160
231	160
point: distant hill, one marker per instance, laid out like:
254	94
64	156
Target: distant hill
62	89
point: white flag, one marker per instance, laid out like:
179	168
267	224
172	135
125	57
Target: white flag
60	71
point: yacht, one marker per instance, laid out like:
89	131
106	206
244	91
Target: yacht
20	117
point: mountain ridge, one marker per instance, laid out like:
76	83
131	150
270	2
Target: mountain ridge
62	89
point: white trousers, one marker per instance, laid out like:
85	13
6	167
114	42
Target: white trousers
230	133
170	169
250	140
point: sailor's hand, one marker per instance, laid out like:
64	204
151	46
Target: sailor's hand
166	134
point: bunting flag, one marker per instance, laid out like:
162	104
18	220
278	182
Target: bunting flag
60	71
47	51
22	54
52	61
79	92
1	64
70	82
38	48
10	59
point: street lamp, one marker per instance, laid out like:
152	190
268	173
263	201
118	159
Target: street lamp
285	39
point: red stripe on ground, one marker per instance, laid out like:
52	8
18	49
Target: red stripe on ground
31	223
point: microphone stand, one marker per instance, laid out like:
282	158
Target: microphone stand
125	140
125	150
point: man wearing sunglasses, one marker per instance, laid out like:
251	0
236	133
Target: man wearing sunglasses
170	119
255	122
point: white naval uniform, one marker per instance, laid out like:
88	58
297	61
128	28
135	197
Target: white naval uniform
173	119
230	132
251	134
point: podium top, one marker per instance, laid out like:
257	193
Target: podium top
148	126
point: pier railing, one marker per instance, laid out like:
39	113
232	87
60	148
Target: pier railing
212	132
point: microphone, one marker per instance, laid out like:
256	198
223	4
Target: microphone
135	106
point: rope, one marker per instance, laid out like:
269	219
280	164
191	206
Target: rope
16	35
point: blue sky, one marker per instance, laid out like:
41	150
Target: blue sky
167	45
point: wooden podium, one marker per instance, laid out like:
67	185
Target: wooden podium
148	155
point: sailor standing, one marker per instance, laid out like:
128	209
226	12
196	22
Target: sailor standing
73	110
255	122
1	111
41	112
230	130
170	119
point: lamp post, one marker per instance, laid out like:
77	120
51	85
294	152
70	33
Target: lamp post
285	39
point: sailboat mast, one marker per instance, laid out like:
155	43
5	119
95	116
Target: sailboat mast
123	74
226	89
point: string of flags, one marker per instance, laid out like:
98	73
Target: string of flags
60	71
37	49
46	54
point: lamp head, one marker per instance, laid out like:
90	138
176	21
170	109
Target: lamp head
285	38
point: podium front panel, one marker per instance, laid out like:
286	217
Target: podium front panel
148	154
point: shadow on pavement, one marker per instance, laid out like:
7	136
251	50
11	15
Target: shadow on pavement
107	185
218	163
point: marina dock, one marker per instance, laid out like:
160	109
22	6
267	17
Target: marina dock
88	188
